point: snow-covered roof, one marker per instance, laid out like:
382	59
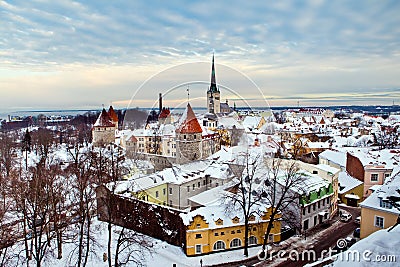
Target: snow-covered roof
229	122
180	174
334	156
389	158
217	210
390	189
378	244
208	197
347	182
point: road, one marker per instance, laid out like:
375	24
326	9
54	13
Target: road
327	240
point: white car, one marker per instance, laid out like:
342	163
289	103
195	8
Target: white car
345	217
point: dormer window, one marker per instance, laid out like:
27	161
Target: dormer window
385	204
219	222
235	220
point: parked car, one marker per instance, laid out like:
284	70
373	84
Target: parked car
357	220
356	233
345	217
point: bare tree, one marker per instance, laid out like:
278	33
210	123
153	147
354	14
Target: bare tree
387	137
81	174
281	179
129	245
246	194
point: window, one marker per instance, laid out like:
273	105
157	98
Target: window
194	137
374	177
156	194
198	184
252	240
198	249
194	186
170	191
314	205
304	211
319	204
222	233
184	136
254	228
232	232
238	231
164	191
309	209
385	204
219	245
379	221
387	175
315	172
216	234
305	225
236	243
198	236
198	225
170	203
323	202
188	188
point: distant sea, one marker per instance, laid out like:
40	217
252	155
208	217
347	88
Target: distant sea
373	110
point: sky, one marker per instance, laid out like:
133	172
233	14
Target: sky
84	54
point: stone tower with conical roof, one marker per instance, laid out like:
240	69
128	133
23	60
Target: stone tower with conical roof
103	131
213	94
188	137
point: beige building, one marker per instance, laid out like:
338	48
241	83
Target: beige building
381	209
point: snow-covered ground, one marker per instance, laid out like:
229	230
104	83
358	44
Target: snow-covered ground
162	253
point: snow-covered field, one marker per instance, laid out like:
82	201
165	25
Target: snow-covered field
162	253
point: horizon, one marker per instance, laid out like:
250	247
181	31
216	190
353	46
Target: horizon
73	54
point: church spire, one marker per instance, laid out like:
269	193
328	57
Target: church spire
213	87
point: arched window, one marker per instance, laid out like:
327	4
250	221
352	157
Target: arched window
252	240
219	245
236	243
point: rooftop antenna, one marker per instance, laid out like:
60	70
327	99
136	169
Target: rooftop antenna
188	93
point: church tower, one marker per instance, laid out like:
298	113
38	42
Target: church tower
213	94
188	137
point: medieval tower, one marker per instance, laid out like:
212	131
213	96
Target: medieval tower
188	137
213	94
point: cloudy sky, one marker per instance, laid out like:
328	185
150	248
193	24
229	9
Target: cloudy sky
82	54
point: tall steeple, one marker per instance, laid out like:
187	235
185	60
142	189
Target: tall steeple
213	94
213	86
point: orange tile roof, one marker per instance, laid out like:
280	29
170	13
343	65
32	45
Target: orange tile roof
164	113
189	122
112	114
104	120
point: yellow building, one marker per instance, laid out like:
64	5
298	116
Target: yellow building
351	190
157	194
208	230
378	211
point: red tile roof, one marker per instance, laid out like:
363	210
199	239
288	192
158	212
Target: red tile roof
164	113
112	114
189	122
104	120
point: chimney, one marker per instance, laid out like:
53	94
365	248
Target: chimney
160	103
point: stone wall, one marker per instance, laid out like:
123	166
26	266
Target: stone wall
156	221
354	167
